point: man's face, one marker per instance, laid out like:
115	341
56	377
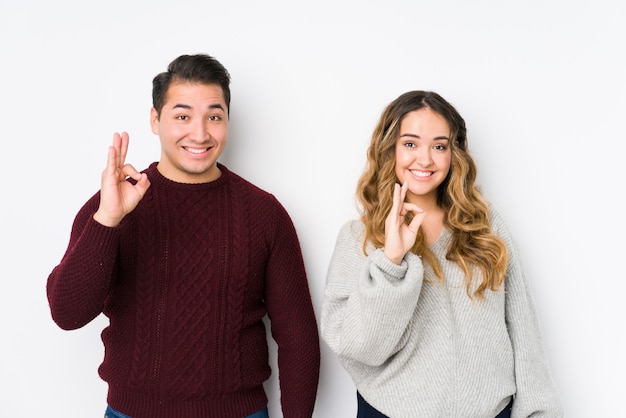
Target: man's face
193	129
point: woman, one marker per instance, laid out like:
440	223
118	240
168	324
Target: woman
426	302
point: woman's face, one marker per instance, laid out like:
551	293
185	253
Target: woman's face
423	154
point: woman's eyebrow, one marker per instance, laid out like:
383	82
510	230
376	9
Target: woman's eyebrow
437	138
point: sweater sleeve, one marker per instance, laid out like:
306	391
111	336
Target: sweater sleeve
536	394
292	318
368	301
78	286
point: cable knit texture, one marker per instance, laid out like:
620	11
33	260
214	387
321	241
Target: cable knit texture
186	280
418	348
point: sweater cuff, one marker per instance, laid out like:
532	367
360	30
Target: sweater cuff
104	236
390	269
411	267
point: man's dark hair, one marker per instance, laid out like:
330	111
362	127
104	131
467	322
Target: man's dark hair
199	68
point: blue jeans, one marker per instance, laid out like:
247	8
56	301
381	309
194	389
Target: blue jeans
112	413
366	410
263	413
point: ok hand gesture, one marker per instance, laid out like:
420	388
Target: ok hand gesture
400	237
118	197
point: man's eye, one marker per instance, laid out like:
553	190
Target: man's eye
215	118
182	117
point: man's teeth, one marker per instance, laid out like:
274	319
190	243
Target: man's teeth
196	150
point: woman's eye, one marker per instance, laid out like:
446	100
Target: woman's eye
441	147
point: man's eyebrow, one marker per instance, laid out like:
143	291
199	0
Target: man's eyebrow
186	106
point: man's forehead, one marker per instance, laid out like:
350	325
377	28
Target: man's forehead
187	94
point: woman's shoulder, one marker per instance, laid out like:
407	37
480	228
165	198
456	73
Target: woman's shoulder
351	234
352	229
498	225
500	228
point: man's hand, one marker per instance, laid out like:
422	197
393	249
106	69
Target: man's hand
118	197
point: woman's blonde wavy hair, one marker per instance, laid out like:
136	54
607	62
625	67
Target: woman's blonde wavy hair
466	212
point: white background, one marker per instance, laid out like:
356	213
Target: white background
540	84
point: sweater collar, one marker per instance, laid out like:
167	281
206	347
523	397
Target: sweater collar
156	178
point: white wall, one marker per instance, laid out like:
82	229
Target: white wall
540	84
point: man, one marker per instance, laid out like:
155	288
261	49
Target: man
185	259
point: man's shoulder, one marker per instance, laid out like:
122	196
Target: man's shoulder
243	187
239	182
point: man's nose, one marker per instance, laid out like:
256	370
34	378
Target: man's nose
199	130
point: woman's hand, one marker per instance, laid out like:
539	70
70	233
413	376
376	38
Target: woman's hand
400	237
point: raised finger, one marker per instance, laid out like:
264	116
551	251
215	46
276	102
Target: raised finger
397	199
123	148
404	189
117	145
111	166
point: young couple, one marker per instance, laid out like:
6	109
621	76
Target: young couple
426	303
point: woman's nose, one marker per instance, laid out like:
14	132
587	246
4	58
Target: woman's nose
423	157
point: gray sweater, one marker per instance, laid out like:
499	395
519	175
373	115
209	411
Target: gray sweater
424	349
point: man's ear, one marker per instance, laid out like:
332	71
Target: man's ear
154	121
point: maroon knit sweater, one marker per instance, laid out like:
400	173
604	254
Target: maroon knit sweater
185	280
